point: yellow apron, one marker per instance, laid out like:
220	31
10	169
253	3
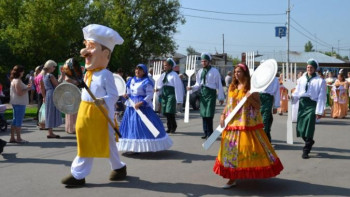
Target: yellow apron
92	131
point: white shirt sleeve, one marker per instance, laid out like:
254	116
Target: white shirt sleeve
179	90
111	96
322	98
149	94
221	94
197	85
277	94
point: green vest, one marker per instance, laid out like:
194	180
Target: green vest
207	102
168	100
306	117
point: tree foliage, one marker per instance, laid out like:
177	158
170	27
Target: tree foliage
191	51
33	31
45	30
146	26
336	55
309	47
236	61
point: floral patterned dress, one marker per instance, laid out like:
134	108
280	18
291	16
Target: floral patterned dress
245	151
340	98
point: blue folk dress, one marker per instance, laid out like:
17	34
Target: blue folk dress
53	117
136	137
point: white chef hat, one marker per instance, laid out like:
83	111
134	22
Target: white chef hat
103	35
171	62
313	63
206	56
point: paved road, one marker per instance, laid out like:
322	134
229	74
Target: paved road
36	168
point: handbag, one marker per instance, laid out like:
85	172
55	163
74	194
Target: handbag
42	114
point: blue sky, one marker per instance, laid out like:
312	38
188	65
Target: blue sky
325	23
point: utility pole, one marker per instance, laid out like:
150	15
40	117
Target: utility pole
223	48
223	43
338	47
288	31
316	43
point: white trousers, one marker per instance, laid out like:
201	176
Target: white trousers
81	166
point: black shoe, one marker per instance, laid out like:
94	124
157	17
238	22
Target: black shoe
2	145
168	131
118	174
71	181
204	137
305	155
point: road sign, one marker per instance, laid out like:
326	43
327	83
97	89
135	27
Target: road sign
280	31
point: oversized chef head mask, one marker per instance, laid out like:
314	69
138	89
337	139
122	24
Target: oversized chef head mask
99	43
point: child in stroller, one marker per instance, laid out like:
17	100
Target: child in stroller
3	122
120	108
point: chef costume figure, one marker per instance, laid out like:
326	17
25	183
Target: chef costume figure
95	137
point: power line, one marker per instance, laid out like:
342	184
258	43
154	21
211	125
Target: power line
310	37
230	20
310	32
231	13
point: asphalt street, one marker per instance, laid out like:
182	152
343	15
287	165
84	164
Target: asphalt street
36	168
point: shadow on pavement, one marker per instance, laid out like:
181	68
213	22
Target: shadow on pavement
11	159
268	187
284	142
172	155
338	122
47	144
314	148
330	156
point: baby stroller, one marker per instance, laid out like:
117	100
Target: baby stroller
3	122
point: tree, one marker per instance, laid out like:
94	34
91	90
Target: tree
236	61
33	31
44	29
308	47
146	26
336	55
191	51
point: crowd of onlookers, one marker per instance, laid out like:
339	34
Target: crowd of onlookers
37	87
338	94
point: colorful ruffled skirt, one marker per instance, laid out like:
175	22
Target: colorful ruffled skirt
246	155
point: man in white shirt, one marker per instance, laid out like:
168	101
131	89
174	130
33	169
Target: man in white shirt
208	80
172	93
311	93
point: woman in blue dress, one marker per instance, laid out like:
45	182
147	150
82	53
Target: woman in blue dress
53	117
136	137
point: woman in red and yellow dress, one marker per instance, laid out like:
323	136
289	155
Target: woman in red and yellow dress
245	151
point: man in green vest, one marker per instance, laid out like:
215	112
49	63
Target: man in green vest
208	80
311	93
172	93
